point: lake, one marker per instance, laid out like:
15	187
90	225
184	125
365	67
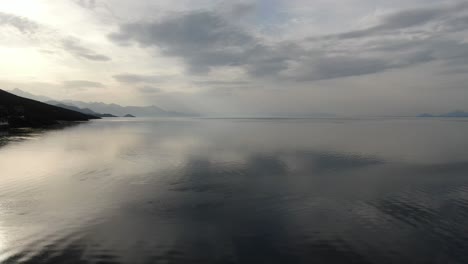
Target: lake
371	190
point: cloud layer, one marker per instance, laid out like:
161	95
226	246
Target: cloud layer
73	46
46	35
80	84
22	24
204	40
249	55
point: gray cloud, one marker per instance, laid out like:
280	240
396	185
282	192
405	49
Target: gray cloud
221	83
82	84
249	55
333	67
200	30
457	24
89	4
406	19
341	66
455	70
74	46
137	78
385	56
400	40
43	35
410	18
22	24
239	10
149	89
204	40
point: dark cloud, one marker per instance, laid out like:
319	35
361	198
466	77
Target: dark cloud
385	56
341	66
22	24
406	19
137	78
74	46
203	40
401	39
82	84
199	30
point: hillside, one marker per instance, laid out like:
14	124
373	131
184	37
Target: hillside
23	112
85	111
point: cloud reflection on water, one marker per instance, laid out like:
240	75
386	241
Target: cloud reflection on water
184	191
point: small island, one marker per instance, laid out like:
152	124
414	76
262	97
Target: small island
107	115
129	115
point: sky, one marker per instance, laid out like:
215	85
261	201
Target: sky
219	57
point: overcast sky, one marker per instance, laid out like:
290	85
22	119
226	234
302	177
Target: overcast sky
348	57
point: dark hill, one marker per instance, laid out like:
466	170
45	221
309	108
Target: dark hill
23	112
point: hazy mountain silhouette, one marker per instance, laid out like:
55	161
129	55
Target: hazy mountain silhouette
456	113
118	110
24	112
107	109
77	109
25	94
84	110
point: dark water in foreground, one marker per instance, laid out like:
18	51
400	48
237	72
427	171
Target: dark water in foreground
237	191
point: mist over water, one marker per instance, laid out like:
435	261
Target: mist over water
236	191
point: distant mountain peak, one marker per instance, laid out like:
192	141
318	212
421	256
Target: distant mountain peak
25	94
100	107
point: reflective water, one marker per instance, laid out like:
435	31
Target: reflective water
237	191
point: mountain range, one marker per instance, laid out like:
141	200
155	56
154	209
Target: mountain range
81	110
456	113
103	109
23	112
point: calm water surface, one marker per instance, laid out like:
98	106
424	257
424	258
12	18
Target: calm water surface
237	191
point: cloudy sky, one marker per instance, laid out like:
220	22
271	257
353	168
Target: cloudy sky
353	57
